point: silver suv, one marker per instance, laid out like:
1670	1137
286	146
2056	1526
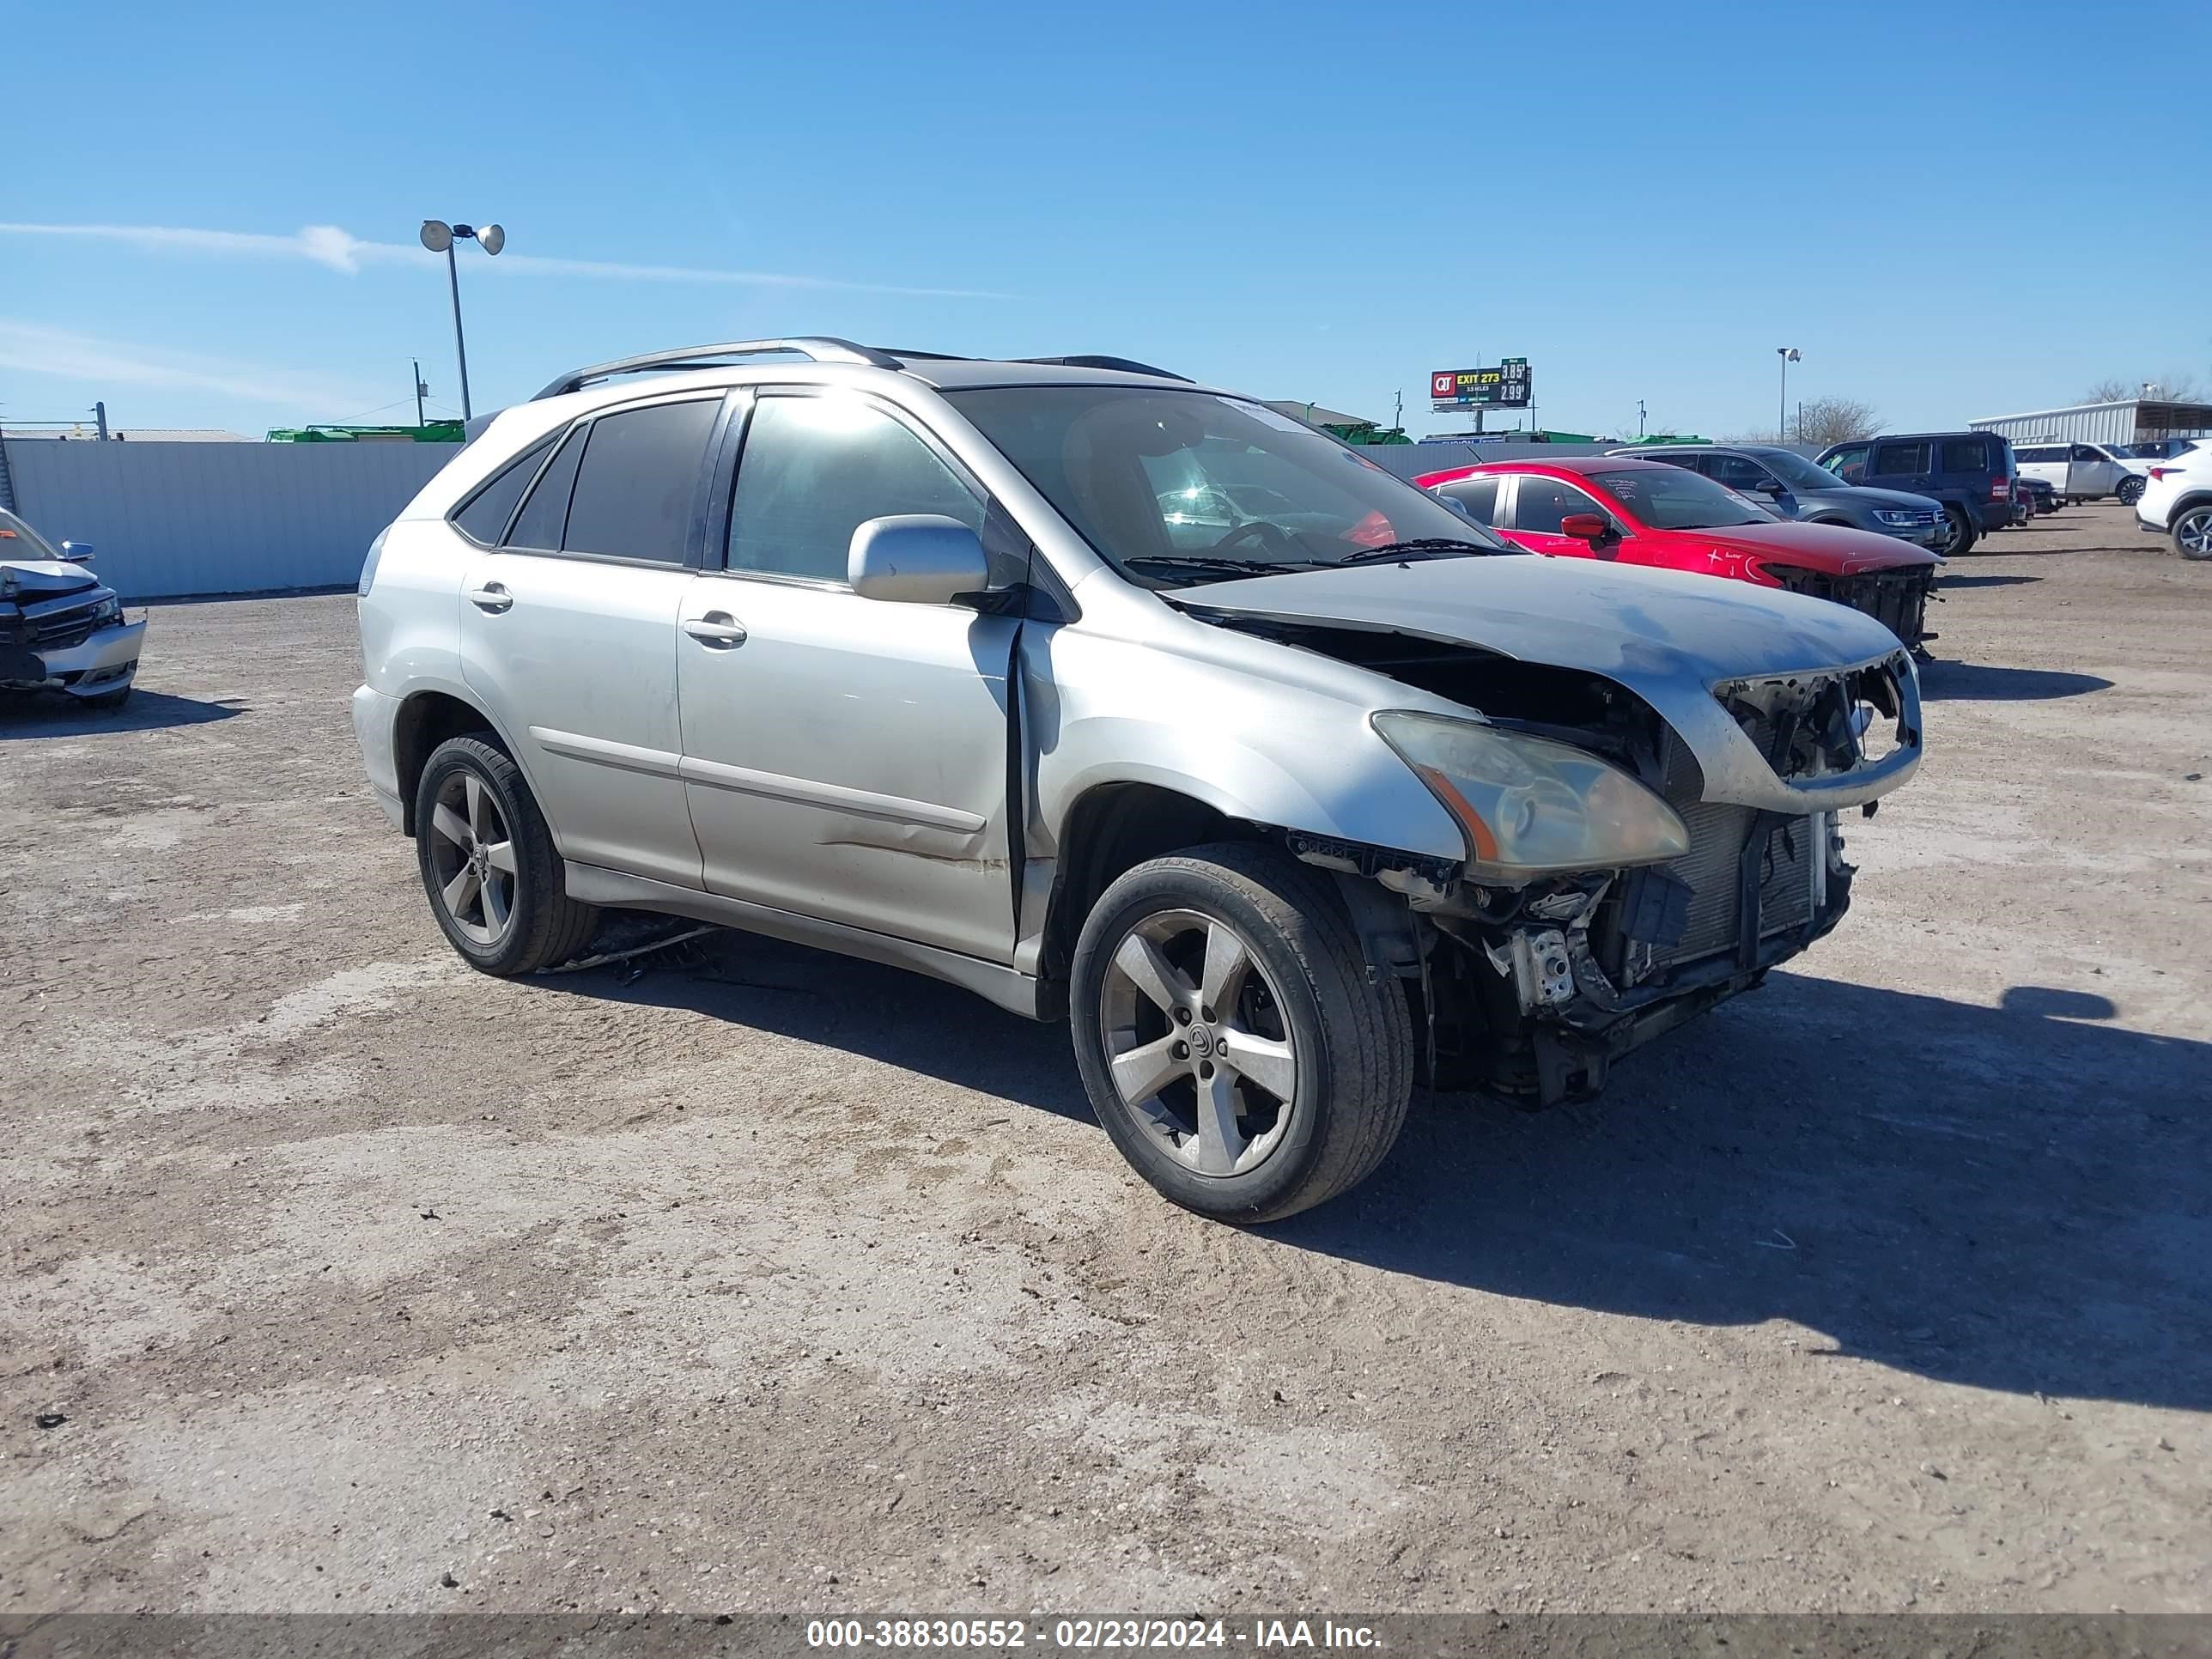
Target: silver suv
962	665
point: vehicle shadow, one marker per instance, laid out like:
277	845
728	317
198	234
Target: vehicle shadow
1946	583
2011	1198
864	1008
50	715
1968	682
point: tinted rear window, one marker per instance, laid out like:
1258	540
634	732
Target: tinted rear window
488	512
1890	459
639	482
1968	455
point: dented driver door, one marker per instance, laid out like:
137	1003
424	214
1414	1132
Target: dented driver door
844	757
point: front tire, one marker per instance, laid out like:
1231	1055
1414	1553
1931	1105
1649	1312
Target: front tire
2192	533
488	865
2129	491
1959	539
1229	1038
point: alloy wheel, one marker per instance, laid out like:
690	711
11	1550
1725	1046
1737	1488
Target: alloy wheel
1197	1044
472	858
2192	533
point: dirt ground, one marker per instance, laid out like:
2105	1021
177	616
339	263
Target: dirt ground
781	1281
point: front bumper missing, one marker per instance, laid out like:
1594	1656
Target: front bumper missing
1576	1019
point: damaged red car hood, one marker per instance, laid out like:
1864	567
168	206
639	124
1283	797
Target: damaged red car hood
1833	550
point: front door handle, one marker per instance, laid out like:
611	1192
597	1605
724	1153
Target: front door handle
491	597
717	628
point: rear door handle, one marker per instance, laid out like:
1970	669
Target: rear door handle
491	597
717	628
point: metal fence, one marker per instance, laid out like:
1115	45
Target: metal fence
167	519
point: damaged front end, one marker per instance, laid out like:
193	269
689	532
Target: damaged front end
1727	858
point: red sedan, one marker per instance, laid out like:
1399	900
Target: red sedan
1607	506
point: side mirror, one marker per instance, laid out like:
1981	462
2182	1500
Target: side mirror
1773	487
1585	527
77	552
916	558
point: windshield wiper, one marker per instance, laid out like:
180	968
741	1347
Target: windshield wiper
1425	547
1204	565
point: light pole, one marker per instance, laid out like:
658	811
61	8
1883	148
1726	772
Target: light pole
439	237
1787	353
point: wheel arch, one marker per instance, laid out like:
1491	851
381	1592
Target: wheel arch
427	718
1108	830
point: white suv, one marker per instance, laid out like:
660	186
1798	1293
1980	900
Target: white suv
2082	472
2177	501
921	659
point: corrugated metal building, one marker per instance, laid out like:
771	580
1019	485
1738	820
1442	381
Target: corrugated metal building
2135	420
168	520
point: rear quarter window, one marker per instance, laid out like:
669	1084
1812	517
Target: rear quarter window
1968	455
484	516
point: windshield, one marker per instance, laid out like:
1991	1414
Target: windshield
1173	487
1795	470
1669	498
19	541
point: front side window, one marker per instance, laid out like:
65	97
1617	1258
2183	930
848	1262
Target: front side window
1849	464
639	481
1172	488
1736	472
1540	505
815	468
1795	470
1671	499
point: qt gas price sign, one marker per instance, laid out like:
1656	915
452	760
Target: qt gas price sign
1507	386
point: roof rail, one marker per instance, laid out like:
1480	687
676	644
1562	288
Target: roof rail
820	349
1126	365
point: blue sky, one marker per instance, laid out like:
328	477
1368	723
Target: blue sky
1952	210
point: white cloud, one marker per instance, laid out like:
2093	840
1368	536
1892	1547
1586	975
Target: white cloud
35	349
339	250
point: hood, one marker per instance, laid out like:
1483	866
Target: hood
1670	636
33	579
1627	622
1867	496
1831	548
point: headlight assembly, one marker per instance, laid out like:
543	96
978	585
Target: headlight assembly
1529	806
1898	515
107	611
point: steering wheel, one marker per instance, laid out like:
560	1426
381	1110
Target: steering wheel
1256	530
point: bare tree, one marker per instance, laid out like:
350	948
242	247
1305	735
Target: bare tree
1825	421
2173	388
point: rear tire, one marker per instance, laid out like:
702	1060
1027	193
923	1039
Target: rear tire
2192	531
489	867
2129	491
1229	1038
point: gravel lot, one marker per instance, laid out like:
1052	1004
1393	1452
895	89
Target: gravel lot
781	1281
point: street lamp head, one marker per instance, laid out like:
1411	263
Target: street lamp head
437	235
1790	354
491	239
